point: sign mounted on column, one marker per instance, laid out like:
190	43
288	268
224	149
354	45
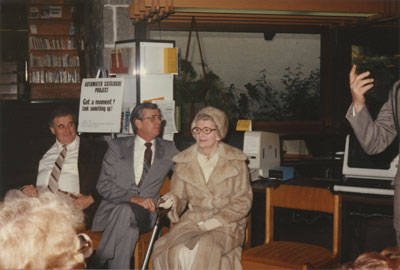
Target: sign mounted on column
100	105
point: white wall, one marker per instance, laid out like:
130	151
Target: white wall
238	58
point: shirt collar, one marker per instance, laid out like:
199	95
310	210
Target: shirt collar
73	145
139	140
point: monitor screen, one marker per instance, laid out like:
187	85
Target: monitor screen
358	164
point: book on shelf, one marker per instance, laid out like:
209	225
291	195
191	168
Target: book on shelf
45	12
117	62
51	1
54	42
33	12
33	29
43	43
8	80
51	60
55	11
73	30
59	76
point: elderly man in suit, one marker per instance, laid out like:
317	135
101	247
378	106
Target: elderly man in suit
134	168
77	175
375	135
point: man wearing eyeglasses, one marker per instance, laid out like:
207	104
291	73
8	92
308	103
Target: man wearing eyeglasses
133	170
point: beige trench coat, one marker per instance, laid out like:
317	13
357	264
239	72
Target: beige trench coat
227	197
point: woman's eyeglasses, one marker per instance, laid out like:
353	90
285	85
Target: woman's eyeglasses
85	245
205	130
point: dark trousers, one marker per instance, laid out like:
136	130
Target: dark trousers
117	244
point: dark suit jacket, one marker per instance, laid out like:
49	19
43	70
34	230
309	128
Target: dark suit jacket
117	179
91	153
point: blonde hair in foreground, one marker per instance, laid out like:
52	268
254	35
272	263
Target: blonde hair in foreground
40	233
387	259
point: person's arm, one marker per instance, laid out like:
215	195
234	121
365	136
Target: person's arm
374	135
359	85
106	186
83	201
240	201
179	198
91	154
146	203
29	190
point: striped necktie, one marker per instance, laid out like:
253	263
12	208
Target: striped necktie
146	161
56	171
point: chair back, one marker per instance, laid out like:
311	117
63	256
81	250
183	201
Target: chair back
303	198
165	188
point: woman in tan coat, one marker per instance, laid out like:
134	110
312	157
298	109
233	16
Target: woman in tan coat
211	183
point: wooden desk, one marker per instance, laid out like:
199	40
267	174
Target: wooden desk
366	219
367	224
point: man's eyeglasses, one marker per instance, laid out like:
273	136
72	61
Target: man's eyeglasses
153	118
206	130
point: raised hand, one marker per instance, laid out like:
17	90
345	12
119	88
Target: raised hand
359	85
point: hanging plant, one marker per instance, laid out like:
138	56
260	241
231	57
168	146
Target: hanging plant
260	101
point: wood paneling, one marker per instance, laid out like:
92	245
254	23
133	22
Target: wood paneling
55	91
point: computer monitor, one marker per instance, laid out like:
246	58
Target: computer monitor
358	164
263	151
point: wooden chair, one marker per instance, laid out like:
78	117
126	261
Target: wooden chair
144	239
294	255
247	242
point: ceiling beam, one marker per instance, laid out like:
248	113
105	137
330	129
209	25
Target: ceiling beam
221	14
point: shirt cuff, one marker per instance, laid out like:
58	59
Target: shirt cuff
353	110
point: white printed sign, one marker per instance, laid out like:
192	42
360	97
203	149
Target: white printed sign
100	105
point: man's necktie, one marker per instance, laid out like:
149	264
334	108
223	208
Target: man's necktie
56	171
146	161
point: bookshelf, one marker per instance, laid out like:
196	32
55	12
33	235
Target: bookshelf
55	47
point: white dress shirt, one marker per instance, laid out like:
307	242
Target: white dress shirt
69	177
207	164
138	157
353	110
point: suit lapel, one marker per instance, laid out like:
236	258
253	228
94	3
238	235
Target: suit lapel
158	156
127	155
159	152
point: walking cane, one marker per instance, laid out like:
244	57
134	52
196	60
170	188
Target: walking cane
160	213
